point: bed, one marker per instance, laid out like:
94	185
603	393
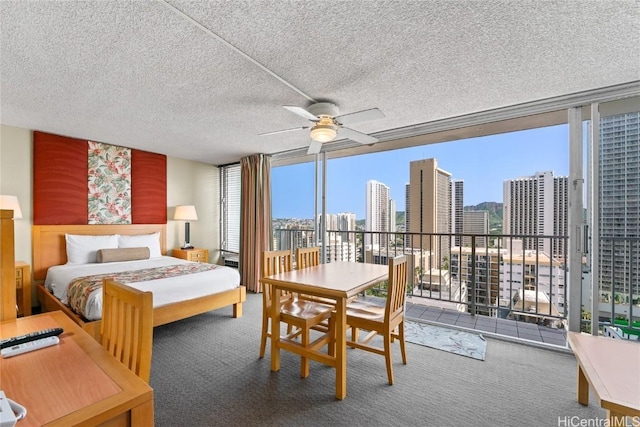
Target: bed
49	251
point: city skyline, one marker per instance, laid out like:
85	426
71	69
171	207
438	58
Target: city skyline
483	163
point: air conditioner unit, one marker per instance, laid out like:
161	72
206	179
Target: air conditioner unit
231	261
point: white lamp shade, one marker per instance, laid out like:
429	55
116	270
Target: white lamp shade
186	213
323	133
11	203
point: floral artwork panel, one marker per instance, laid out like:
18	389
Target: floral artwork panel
109	184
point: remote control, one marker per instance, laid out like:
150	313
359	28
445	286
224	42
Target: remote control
29	346
9	342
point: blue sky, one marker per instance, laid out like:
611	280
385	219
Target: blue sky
483	163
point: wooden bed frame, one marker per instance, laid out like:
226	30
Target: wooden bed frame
49	249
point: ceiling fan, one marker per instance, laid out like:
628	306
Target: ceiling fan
327	124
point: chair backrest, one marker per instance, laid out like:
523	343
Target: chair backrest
397	288
127	326
274	262
307	257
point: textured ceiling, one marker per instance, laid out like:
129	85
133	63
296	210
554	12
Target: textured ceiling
200	80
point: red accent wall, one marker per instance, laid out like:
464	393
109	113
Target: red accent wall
60	189
59	180
148	188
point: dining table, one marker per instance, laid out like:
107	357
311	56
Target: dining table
338	281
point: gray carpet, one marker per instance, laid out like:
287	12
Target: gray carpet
206	372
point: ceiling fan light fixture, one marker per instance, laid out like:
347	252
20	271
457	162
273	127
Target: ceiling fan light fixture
325	130
323	133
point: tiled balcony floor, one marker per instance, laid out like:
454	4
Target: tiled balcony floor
499	328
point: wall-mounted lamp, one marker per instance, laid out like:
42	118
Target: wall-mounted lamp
11	203
186	213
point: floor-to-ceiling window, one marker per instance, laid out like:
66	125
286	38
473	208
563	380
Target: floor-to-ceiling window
611	281
344	175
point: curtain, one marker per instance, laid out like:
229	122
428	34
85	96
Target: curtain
255	217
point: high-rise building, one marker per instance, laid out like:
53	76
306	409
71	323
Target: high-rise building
347	225
377	212
538	206
430	206
619	206
475	222
392	215
500	274
336	249
457	211
332	223
293	236
407	210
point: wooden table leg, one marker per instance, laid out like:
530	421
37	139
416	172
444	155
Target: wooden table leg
275	328
341	348
304	362
142	415
617	419
583	388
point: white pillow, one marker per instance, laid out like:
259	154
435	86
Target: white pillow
151	241
83	249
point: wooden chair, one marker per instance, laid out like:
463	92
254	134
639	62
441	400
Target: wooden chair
310	257
303	315
307	257
127	326
387	321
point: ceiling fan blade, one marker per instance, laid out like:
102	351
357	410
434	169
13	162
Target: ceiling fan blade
356	136
314	147
360	116
282	131
301	112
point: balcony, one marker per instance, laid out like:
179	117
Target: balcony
515	289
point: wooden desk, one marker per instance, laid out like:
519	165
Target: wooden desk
612	368
76	382
338	281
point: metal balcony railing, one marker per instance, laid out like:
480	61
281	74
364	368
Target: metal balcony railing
520	277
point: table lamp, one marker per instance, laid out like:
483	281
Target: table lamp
11	203
186	213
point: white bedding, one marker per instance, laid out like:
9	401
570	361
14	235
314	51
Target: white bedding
165	291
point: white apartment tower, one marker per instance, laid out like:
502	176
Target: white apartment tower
347	225
332	223
377	212
537	205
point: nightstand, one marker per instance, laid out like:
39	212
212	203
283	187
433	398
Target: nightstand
195	254
23	288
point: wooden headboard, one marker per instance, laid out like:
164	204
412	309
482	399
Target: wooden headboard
49	248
